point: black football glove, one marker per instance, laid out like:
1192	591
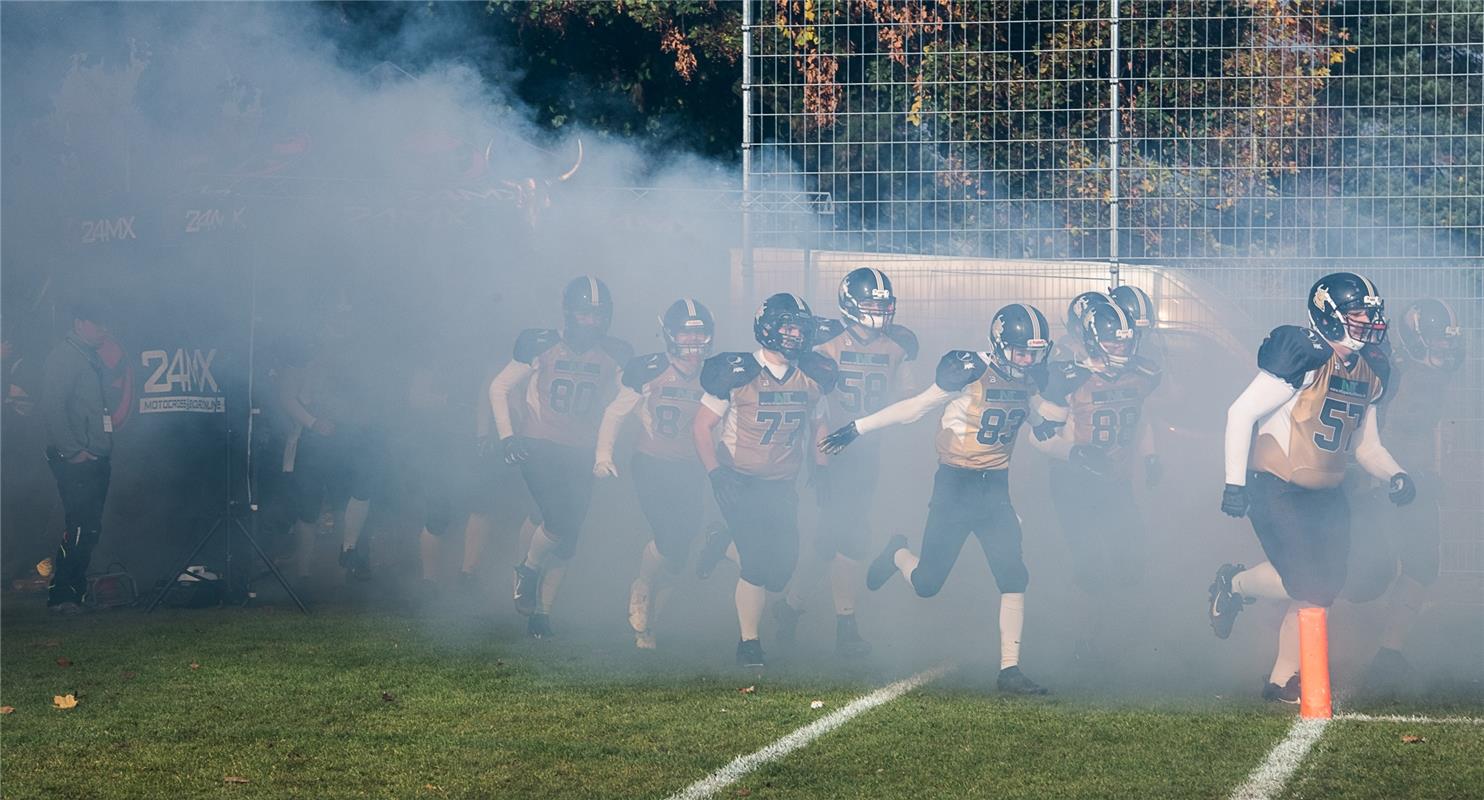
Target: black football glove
517	449
1403	489
1092	459
1234	500
1154	471
1046	429
726	483
839	440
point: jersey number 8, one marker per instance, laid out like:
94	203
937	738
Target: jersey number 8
569	397
1110	427
997	426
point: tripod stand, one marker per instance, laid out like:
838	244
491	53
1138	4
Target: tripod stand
230	520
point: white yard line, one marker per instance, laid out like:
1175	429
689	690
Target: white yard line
1410	718
1268	780
742	765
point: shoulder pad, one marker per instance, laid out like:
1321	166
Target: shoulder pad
1148	369
1038	376
1062	379
723	372
644	369
828	329
959	368
905	339
617	349
1290	352
1376	358
532	342
821	369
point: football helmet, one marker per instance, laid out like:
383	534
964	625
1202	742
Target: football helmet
1078	306
1020	330
1335	297
587	306
687	318
1108	334
1430	334
867	299
785	325
1137	304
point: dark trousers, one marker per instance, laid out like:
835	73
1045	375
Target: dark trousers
84	488
1102	526
764	520
969	501
670	497
1305	533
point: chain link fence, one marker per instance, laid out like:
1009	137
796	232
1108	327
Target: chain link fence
1219	153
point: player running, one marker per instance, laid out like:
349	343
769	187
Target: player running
988	395
664	391
569	375
871	351
1311	402
768	404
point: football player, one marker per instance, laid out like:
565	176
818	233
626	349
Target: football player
1430	351
664	391
569	375
768	404
988	395
871	351
1094	411
1139	307
1311	402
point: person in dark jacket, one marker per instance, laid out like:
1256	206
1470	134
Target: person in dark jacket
79	433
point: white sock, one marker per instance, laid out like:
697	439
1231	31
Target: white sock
429	549
906	562
542	551
732	553
750	602
807	576
551	581
356	511
1287	664
1402	610
475	531
1012	619
845	575
1260	581
304	547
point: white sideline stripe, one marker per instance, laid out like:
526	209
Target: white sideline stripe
1410	718
1268	780
742	765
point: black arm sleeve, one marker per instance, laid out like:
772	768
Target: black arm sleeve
1290	352
959	368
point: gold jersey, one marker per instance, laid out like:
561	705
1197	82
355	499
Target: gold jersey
1309	440
669	399
979	427
569	389
1105	410
870	367
765	430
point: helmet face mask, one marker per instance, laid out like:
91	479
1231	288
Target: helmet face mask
785	325
866	298
1348	310
1017	339
688	330
1108	335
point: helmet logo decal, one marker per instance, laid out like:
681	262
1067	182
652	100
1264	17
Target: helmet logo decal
1322	298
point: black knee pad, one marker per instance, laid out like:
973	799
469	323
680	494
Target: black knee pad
437	523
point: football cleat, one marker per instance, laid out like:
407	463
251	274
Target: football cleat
538	626
354	561
885	565
713	550
644	640
1225	603
1287	693
527	589
848	641
787	618
639	606
750	654
1013	681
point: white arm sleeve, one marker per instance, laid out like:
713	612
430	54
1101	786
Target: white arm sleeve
1048	410
1263	396
622	406
906	411
289	382
1373	456
500	388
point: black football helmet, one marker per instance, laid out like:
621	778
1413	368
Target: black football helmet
687	315
1106	324
785	325
1018	326
587	306
1079	306
1430	333
1334	297
1137	304
867	299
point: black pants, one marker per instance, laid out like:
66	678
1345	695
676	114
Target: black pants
845	517
84	488
560	479
764	521
453	479
1305	534
670	496
970	501
1102	527
336	468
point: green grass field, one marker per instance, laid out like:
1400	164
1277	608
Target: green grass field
265	703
